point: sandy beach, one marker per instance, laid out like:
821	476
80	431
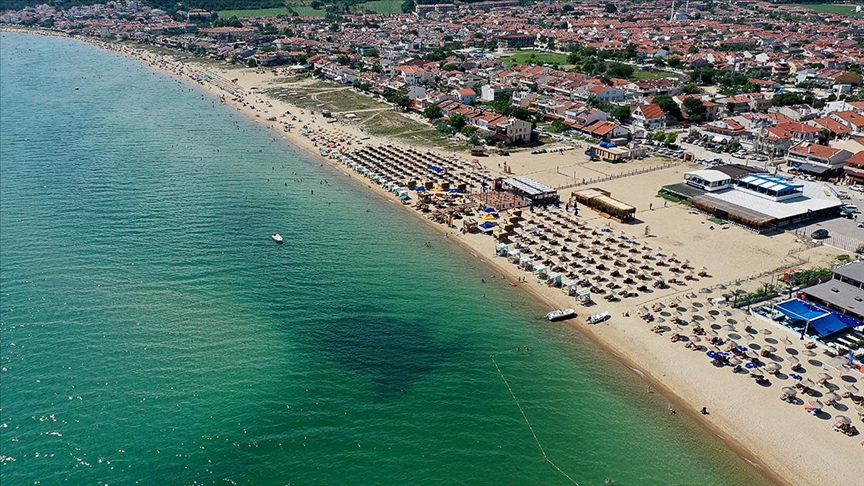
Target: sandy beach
790	445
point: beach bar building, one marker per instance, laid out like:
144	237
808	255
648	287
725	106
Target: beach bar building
534	192
602	202
758	201
844	293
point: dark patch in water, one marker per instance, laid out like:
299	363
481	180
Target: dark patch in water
393	352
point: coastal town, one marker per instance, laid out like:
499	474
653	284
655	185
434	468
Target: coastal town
683	178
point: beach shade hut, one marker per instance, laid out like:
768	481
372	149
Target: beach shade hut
514	256
501	249
540	271
554	279
569	287
526	263
584	296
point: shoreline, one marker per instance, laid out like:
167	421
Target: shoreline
611	337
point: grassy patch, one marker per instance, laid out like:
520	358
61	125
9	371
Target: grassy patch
383	6
302	10
847	10
717	220
253	12
535	57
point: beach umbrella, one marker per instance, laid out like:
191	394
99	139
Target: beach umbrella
712	354
824	376
842	419
770	349
695	338
796	376
711	332
740	348
734	361
816	404
728	327
832	396
793	360
808	352
787	341
748	336
772	367
851	388
790	391
860	410
750	365
765	331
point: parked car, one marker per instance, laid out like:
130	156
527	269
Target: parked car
861	224
820	234
850	208
856	188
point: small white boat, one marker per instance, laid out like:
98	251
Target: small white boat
276	237
598	317
561	314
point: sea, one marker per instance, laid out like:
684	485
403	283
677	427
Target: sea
152	332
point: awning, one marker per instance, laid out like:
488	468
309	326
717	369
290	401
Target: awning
812	169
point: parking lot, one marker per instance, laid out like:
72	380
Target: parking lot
844	232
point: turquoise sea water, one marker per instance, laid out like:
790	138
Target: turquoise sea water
151	332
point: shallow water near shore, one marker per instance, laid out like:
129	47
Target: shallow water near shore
153	332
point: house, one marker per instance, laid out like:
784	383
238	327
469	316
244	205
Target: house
835	127
648	117
413	75
466	95
738	104
816	159
516	41
851	119
854	169
605	130
606	93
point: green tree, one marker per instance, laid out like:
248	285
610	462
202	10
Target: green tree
408	6
621	113
669	107
619	70
691	88
674	62
457	121
694	108
610	8
432	112
670	138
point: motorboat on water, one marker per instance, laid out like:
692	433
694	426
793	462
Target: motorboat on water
276	237
561	314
